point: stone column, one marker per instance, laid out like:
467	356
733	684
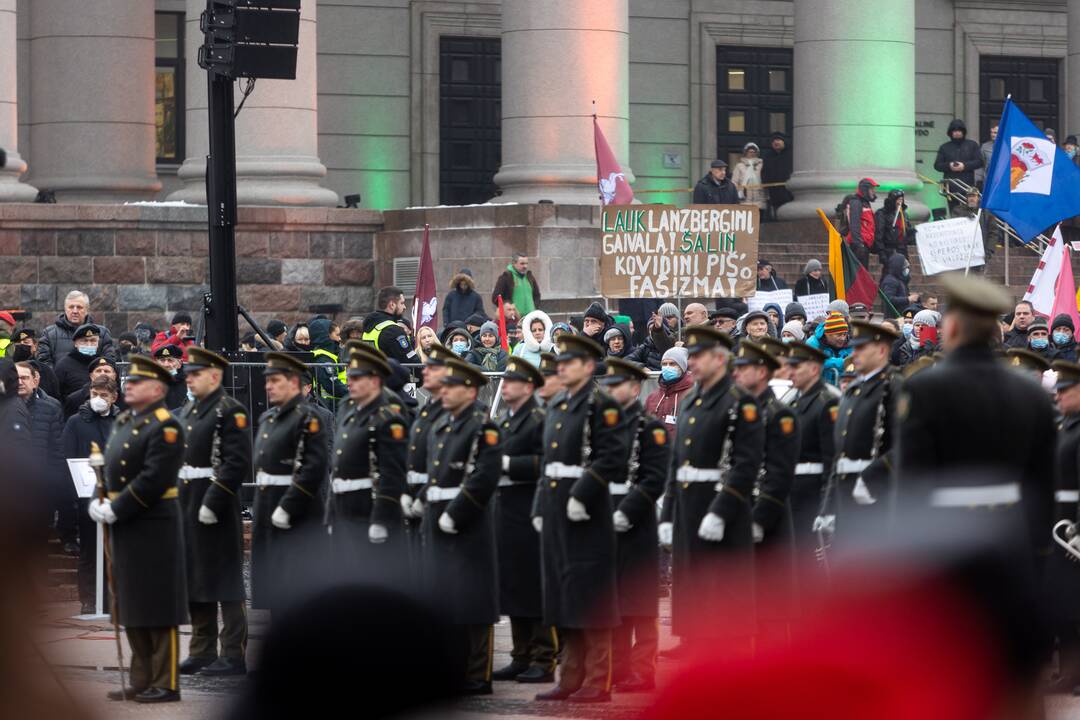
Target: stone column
92	104
277	134
1072	70
854	113
11	190
557	57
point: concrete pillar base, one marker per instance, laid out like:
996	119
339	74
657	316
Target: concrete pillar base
263	181
11	190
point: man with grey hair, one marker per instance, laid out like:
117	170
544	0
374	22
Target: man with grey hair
57	339
517	286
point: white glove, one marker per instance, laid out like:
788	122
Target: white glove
377	534
406	504
711	528
101	511
575	510
1075	543
824	523
418	508
280	519
446	524
622	523
861	494
506	463
538	524
665	532
759	533
207	516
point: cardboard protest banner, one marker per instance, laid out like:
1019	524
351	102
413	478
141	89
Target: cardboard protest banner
661	251
816	305
783	298
946	245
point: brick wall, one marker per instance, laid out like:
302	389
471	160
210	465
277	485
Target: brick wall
142	262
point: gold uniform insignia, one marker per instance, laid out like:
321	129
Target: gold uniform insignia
659	436
170	434
834	412
611	417
241	420
397	431
787	425
491	437
161	414
313	425
749	412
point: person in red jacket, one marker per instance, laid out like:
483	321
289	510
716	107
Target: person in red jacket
178	334
858	225
675	384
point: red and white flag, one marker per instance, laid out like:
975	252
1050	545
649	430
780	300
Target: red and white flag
1042	290
1065	296
614	189
425	299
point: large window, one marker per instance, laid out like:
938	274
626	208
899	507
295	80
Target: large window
753	97
470	119
1033	84
169	86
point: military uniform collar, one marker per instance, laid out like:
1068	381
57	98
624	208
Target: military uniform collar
523	411
208	401
867	378
1070	421
579	397
150	410
287	406
632	410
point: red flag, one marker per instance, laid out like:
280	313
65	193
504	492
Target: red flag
1065	297
614	189
425	299
504	339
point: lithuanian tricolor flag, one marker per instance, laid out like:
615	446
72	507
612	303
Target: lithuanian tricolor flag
853	282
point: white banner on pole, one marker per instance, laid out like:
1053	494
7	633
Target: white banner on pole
759	300
816	305
946	245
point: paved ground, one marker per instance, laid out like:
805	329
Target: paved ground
84	652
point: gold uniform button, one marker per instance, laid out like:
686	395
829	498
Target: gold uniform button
417	430
857	391
849	411
686	486
554	484
123	462
412	448
686	441
843	434
338	452
697	402
344	436
126	446
189	428
423	414
692	420
563	406
558	426
436	465
554	445
134	432
440	445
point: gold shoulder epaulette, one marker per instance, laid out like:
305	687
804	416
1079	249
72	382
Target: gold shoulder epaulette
162	414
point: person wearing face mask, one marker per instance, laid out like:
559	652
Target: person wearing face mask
1039	339
71	369
169	357
98	367
92	423
460	342
1062	338
921	341
894	285
675	383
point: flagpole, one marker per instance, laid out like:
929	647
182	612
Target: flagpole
971	250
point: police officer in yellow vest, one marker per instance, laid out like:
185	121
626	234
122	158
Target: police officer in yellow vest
330	381
7	326
381	327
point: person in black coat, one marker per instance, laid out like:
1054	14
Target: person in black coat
776	168
92	423
767	279
170	358
812	282
1039	340
958	159
1063	338
99	367
24	345
71	368
462	300
894	285
893	226
715	188
46	425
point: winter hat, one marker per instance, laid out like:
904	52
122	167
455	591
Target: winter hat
274	327
489	327
926	317
181	317
612	333
596	312
812	265
749	145
1038	323
475	319
836	323
668	310
795	310
794	329
465	271
1063	320
839	306
677	355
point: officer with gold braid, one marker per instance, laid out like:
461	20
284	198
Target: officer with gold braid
142	461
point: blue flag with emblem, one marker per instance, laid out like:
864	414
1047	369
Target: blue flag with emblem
1031	183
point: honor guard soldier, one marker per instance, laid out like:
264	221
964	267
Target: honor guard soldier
464	463
291	462
815	407
532	657
416	475
774	571
860	489
1062	570
719	450
1027	362
637	638
584	450
368	468
142	460
217	462
553	384
977	441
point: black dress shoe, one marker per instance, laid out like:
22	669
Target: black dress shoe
476	687
635	683
535	675
127	693
556	693
157	695
590	695
192	665
224	666
510	671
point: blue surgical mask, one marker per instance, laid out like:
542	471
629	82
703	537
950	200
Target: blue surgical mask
88	349
670	374
459	347
914	342
174	371
787	339
906	273
1071	153
1062	338
906	329
1039	343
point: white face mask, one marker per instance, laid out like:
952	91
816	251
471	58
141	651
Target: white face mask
99	405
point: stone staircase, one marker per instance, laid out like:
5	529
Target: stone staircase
62	574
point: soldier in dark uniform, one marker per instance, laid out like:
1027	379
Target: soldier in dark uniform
720	448
216	462
291	461
142	460
1062	571
860	490
553	385
584	450
1027	362
416	472
464	463
637	638
368	471
815	408
170	357
776	587
532	657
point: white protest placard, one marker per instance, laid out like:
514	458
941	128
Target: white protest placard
946	245
83	476
816	305
760	299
